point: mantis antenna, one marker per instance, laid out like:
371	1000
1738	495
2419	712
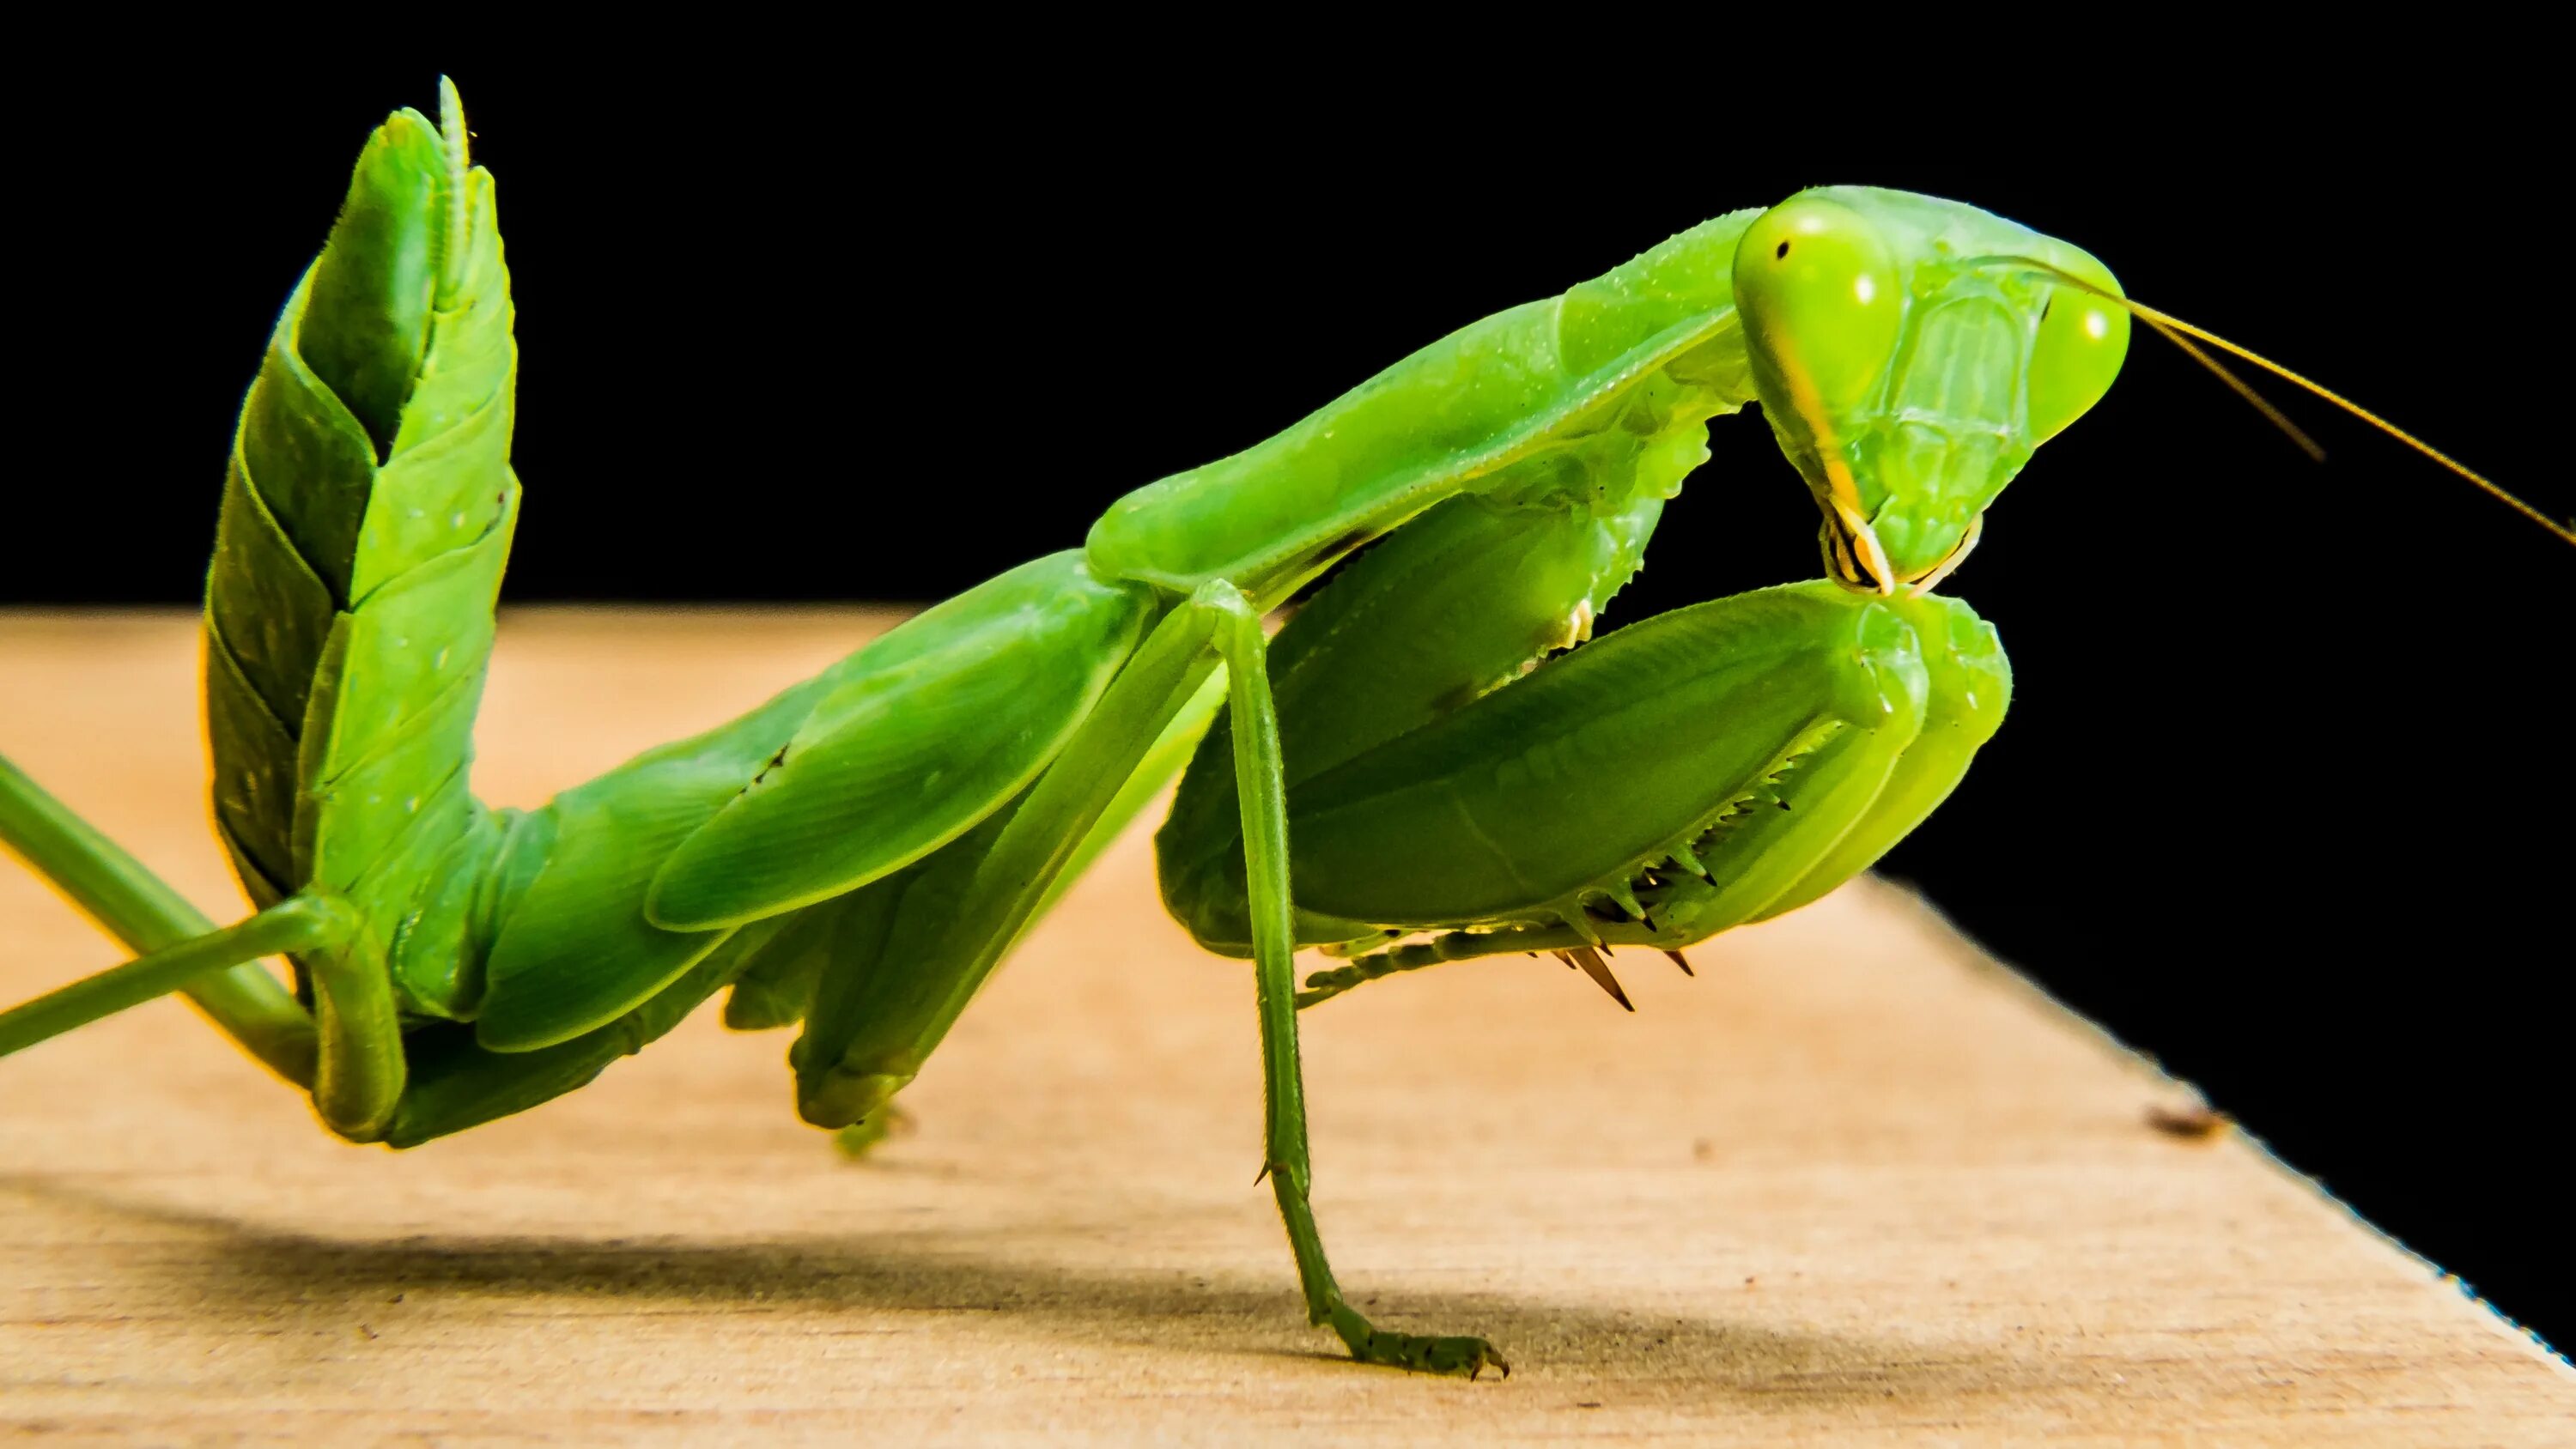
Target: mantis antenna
2188	337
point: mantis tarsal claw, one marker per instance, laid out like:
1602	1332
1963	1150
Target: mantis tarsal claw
1453	1356
1434	761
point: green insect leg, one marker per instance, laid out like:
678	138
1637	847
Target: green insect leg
776	985
883	1005
1969	686
1261	784
1457	603
1449	946
879	1012
140	909
1709	767
349	1051
296	924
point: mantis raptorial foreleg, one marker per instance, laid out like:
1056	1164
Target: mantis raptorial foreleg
1439	950
1706	767
1455	604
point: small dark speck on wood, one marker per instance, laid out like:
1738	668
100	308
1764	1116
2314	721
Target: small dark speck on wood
2191	1121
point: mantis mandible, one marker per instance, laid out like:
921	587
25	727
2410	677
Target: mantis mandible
1422	767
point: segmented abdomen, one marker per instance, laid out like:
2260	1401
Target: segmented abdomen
366	518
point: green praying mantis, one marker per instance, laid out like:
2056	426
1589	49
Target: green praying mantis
1421	767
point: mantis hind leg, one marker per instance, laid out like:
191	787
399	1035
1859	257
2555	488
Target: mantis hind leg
298	923
349	1052
140	909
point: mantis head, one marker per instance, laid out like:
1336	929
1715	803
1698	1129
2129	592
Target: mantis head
1910	357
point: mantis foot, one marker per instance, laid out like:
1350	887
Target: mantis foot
1422	1353
855	1140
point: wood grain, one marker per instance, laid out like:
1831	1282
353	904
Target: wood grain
1853	1185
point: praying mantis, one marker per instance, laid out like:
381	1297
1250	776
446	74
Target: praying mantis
1432	761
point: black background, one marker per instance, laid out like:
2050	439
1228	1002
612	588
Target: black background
2285	794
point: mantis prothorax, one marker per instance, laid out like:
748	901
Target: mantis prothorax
1421	767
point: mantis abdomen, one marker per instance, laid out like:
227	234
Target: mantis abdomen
366	517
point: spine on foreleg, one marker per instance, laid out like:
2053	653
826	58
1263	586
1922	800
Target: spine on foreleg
366	518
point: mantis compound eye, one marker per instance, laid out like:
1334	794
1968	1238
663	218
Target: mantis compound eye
2081	342
1821	300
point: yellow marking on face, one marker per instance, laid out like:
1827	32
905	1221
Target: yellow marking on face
1842	491
1959	555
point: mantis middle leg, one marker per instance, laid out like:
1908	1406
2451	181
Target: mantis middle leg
874	1023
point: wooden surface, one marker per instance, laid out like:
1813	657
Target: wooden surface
1853	1185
